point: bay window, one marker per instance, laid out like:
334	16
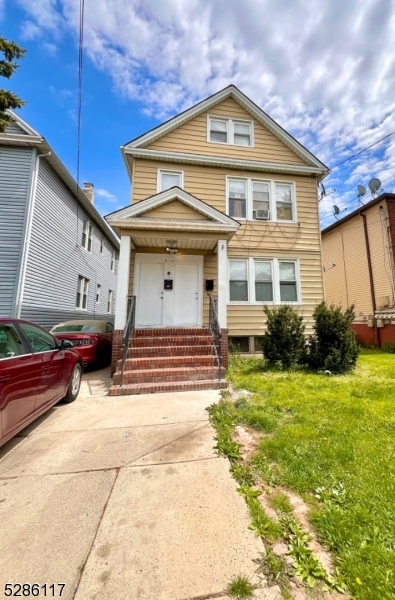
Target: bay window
266	281
260	199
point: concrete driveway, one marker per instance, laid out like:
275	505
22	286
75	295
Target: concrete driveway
123	498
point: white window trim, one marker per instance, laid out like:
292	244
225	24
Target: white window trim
272	199
275	279
110	303
170	172
230	130
90	226
81	279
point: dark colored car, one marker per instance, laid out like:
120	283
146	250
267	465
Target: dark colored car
36	371
92	340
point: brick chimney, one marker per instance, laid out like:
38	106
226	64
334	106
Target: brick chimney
89	191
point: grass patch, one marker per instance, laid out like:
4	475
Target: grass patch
332	440
281	503
240	588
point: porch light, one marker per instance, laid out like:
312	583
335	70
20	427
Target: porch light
170	248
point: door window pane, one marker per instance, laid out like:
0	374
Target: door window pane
219	131
237	199
288	287
40	340
238	284
263	282
284	202
10	342
170	180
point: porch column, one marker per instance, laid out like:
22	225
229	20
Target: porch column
222	278
123	283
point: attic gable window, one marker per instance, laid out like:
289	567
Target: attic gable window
233	132
169	179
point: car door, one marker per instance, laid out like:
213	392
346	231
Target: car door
20	376
42	343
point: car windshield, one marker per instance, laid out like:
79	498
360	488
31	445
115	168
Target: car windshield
72	328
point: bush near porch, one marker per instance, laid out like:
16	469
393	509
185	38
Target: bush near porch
332	441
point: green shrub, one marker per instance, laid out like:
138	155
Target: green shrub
283	341
333	346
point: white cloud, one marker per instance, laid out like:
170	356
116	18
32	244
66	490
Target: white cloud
30	31
105	194
323	69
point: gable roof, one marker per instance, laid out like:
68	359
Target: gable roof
31	137
229	92
174	193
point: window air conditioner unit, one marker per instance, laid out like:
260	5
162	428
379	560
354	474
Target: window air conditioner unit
262	214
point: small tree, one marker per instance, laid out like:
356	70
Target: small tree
11	51
334	345
284	340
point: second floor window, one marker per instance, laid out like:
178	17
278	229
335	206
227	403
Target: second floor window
98	290
82	293
109	301
169	179
101	246
113	260
87	236
230	131
261	200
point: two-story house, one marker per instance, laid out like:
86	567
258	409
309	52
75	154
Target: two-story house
358	260
224	206
58	256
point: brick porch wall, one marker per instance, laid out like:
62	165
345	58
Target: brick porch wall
116	349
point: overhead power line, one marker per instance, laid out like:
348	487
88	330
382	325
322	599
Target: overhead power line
361	151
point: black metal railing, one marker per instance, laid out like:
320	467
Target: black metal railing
215	331
128	331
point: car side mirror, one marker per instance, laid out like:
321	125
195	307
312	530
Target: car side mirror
65	344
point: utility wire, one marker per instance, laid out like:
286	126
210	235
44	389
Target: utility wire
361	151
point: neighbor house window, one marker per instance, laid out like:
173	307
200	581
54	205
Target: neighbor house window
109	301
169	179
87	236
98	290
101	246
82	293
113	260
260	200
235	132
266	281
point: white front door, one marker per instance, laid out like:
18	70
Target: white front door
175	304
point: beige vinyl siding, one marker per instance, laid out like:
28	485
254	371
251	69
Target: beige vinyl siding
192	138
174	210
209	184
348	282
249	319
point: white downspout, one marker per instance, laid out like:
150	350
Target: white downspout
28	234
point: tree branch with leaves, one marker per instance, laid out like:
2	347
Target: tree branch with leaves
11	52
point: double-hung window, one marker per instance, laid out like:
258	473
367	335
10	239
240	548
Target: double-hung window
169	179
267	281
261	200
109	301
113	260
87	236
82	293
234	132
98	290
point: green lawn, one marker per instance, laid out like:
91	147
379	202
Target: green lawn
333	438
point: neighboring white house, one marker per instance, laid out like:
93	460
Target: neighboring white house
58	257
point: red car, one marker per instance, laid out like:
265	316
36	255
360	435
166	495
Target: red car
36	371
92	340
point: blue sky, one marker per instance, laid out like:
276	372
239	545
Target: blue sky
325	72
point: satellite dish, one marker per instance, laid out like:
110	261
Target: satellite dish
336	210
361	191
374	185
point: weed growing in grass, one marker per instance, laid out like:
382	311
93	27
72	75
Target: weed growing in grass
242	474
276	571
240	588
281	504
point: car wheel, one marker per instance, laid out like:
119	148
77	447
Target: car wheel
74	385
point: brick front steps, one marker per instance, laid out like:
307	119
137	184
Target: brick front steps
169	360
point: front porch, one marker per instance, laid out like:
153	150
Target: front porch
173	262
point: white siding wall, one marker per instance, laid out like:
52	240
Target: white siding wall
56	258
15	175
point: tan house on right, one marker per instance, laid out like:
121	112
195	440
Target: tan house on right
358	262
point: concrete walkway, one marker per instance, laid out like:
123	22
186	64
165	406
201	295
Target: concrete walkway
123	498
